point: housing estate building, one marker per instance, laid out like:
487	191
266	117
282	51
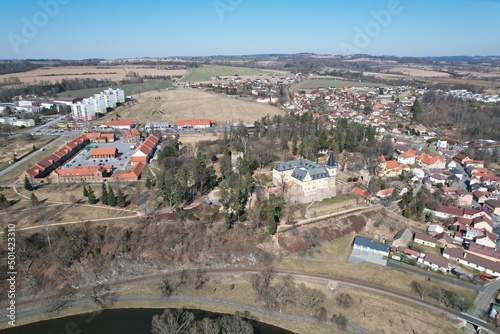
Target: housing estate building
305	181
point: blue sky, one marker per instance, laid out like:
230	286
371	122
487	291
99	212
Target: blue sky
77	29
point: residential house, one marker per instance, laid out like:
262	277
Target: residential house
362	193
411	253
434	262
425	239
368	245
407	158
480	196
473	261
384	193
435	228
493	205
461	158
431	162
443	240
402	238
488	239
390	168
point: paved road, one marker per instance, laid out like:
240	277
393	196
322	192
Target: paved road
484	298
26	158
429	274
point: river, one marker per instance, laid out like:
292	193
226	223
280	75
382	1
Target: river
116	321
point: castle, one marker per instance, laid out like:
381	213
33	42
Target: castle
306	181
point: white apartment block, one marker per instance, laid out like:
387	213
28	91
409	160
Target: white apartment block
99	104
109	99
83	111
118	93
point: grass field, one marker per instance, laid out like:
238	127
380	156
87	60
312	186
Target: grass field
324	83
172	105
130	89
22	145
207	73
115	73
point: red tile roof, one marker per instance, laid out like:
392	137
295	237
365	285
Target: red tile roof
194	122
103	151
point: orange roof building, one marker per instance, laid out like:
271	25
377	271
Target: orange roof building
131	136
37	172
103	153
146	150
195	123
133	175
101	137
81	174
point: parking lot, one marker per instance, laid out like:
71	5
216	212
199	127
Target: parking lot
121	162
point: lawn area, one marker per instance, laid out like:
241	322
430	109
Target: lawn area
21	145
12	175
331	259
130	89
207	73
324	83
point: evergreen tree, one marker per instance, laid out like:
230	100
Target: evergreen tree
34	200
295	140
416	109
85	191
104	194
148	183
111	196
33	148
3	199
120	199
27	184
91	196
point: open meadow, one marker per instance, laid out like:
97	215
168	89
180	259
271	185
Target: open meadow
210	72
172	105
115	73
324	83
20	146
129	89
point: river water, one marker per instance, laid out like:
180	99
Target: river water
117	321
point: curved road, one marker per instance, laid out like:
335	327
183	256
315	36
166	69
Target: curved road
321	277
